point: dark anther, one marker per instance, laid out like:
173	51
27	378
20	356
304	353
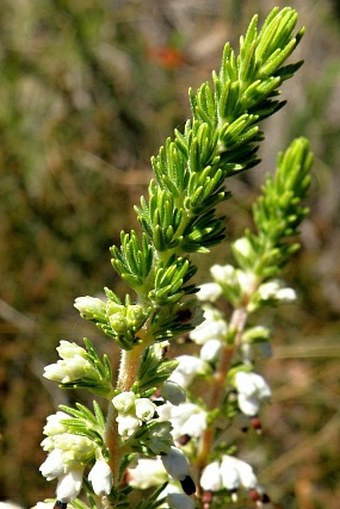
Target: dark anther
184	439
188	485
60	505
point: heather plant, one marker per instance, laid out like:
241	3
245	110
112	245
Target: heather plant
150	429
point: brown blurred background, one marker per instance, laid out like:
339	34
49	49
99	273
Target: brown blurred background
89	89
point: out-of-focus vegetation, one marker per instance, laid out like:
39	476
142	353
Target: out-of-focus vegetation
88	91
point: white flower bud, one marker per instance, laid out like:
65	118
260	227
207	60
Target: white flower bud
69	485
53	466
124	402
100	477
209	292
68	349
90	306
176	464
145	409
243	247
229	473
211	477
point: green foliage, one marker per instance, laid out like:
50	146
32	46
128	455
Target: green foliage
278	213
153	371
86	423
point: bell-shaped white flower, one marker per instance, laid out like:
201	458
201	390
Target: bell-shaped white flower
53	466
100	477
236	473
54	424
176	464
252	390
211	479
72	366
188	367
69	485
187	419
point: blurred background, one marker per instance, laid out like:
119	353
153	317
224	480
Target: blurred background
89	89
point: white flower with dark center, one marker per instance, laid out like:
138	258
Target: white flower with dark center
100	477
252	389
69	485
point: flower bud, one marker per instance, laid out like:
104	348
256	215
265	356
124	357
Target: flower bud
145	409
124	402
209	292
90	308
53	466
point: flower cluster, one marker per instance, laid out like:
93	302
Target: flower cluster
132	412
68	454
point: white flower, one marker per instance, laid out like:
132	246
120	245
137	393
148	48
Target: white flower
176	464
187	419
210	350
275	290
209	292
69	485
188	367
100	476
39	505
211	479
124	402
237	473
148	472
230	473
222	273
127	424
54	426
53	466
252	389
213	327
145	409
69	369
